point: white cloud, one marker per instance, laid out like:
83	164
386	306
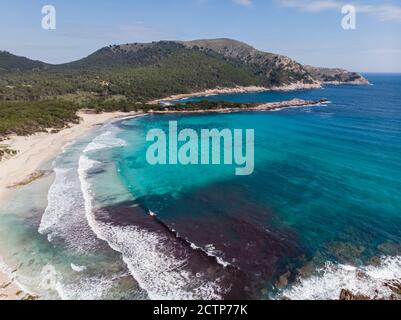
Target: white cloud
311	6
384	12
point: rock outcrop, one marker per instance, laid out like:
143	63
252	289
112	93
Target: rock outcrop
336	76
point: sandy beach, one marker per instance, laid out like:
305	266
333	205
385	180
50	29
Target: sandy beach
33	151
8	289
36	149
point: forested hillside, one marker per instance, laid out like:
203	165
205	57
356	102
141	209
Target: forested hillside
35	95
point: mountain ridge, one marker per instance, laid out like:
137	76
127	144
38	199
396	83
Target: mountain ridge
146	71
12	62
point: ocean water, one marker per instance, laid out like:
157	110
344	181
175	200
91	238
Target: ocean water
321	212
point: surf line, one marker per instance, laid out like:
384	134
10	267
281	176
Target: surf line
187	147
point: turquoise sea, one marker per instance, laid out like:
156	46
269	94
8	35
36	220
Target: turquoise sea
322	207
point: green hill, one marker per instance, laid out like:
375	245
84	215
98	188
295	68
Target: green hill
35	95
10	62
141	72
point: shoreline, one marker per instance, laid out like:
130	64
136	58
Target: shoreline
351	83
23	168
34	150
237	90
9	290
254	89
270	106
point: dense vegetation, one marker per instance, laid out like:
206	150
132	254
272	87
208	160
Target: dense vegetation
28	117
10	62
5	152
24	118
142	72
150	73
35	96
207	105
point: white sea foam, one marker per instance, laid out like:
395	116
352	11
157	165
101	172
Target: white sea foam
86	288
166	103
77	268
327	285
65	219
307	107
64	216
107	139
211	251
147	254
14	277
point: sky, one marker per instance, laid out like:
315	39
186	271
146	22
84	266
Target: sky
309	31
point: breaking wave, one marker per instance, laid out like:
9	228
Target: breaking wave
107	139
148	255
64	217
369	281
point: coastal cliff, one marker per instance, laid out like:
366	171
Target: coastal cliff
336	76
278	69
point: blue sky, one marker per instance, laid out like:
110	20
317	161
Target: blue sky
306	30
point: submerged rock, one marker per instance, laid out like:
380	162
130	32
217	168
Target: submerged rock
345	252
283	280
395	286
348	295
